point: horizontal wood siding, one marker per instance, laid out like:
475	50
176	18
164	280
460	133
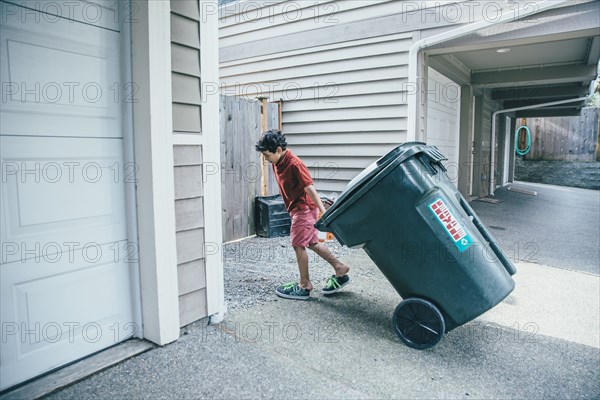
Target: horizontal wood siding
188	171
340	67
251	22
302	25
185	66
189	222
273	123
339	103
191	306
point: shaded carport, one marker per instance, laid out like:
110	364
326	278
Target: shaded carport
549	57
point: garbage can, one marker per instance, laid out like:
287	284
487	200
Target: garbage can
426	240
271	218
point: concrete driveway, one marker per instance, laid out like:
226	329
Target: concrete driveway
559	226
541	342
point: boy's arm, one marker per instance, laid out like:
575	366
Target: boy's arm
314	196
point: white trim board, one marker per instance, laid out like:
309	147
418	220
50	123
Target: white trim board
209	67
153	124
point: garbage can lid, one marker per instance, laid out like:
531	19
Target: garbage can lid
273	199
351	193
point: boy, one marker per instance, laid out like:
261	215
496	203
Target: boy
303	203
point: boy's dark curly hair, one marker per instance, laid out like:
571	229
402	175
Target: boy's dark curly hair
270	140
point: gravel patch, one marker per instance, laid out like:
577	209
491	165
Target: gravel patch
254	267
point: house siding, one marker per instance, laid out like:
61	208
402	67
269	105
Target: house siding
333	99
185	66
341	69
188	161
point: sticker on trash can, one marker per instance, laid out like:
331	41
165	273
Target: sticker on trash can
459	235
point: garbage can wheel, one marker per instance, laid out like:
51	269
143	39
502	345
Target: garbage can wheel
418	323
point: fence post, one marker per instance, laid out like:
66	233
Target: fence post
280	111
264	126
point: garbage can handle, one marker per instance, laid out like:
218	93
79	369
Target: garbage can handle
434	154
510	268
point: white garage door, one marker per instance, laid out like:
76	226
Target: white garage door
66	261
443	108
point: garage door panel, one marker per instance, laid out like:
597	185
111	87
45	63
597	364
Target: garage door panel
50	82
108	14
90	272
65	87
60	190
443	105
440	128
67	200
54	319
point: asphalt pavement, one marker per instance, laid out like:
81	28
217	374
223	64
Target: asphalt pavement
541	342
559	226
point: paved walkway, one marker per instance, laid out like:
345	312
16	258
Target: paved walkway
541	342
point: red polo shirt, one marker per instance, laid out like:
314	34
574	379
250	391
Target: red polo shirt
292	178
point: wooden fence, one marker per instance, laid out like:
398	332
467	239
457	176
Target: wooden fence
240	163
562	138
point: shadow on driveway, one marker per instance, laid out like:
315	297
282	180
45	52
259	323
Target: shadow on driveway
559	226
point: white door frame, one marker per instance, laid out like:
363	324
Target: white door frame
211	143
153	135
129	159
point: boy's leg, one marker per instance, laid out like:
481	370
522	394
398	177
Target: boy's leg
302	258
298	235
340	279
302	234
301	290
340	268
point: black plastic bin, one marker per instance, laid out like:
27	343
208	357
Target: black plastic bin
271	218
425	238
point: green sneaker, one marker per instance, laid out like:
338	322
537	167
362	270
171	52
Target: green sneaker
335	284
293	291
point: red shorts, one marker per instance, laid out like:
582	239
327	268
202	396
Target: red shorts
303	232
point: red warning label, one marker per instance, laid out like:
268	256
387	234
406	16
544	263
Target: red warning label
444	215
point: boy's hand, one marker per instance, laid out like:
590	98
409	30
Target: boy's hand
327	202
